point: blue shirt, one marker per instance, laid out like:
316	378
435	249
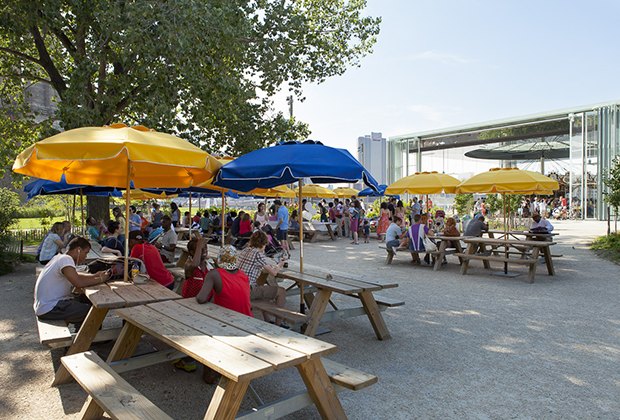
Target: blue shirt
283	218
135	218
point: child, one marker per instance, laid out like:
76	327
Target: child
366	231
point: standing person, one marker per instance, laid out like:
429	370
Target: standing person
355	214
52	291
346	217
135	222
384	221
399	210
167	244
416	208
391	206
52	244
175	214
253	262
260	215
282	226
323	212
195	267
151	258
234	228
115	242
156	216
118	216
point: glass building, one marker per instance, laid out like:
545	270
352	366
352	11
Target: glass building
575	146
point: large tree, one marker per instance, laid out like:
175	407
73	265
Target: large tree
202	69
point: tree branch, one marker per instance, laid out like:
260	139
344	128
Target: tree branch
47	63
20	54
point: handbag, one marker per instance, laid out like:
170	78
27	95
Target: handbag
429	245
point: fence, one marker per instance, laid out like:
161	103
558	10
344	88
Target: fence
14	246
28	235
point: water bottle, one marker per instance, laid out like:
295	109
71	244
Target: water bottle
135	269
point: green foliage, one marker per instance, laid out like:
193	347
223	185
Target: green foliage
10	204
205	70
464	204
612	182
608	246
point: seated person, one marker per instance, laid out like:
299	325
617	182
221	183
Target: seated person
294	222
186	219
167	243
540	224
416	235
205	222
115	242
476	227
52	244
450	228
151	258
253	261
393	234
195	267
234	230
93	229
52	291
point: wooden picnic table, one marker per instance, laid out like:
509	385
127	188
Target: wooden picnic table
239	347
517	234
523	248
445	243
318	301
182	232
106	296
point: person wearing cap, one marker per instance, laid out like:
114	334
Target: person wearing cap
540	224
227	285
151	258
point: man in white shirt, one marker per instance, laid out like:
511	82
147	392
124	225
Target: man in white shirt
393	234
168	242
540	223
52	291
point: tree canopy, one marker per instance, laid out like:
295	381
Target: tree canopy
202	69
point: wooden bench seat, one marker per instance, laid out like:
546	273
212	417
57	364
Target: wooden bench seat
525	261
56	334
290	316
390	255
110	392
347	377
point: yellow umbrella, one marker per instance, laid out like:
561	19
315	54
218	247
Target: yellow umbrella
144	195
314	190
508	180
280	191
345	192
116	156
424	183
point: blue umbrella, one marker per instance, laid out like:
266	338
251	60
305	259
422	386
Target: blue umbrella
290	162
195	192
45	187
369	192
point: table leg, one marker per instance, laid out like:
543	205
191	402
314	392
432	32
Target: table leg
316	311
459	249
82	341
532	271
485	263
440	256
330	231
320	389
471	249
547	253
374	315
227	399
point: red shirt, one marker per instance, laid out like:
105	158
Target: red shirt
245	226
196	219
235	293
153	263
192	285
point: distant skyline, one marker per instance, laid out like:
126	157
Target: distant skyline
447	63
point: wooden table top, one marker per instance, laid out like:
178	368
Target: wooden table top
235	345
336	283
498	241
120	294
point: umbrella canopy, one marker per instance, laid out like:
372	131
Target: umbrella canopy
151	194
46	187
508	180
280	191
101	156
345	192
424	183
369	192
289	162
557	149
314	190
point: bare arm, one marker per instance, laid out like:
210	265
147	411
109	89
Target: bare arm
190	265
213	281
84	279
112	251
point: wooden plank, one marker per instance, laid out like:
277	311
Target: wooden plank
493	241
374	316
317	310
228	361
287	314
320	283
227	399
157	291
52	332
304	344
321	390
278	356
102	296
347	377
526	261
130	293
109	390
351	282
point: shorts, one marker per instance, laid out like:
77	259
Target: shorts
265	292
281	234
69	310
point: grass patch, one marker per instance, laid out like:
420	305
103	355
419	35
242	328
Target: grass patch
34	223
608	247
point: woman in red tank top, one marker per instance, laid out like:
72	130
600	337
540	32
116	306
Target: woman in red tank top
195	267
229	286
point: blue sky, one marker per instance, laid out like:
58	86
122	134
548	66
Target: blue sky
444	63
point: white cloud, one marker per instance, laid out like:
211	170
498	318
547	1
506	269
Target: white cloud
442	57
427	113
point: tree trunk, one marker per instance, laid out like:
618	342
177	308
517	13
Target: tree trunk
99	208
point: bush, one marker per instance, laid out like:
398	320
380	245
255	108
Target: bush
608	246
35	212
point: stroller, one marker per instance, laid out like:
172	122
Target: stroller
274	248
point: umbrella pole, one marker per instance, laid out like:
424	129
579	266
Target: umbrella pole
505	234
302	306
190	215
127	203
223	216
82	210
73	210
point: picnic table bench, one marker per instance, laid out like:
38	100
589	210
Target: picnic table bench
238	347
522	246
319	293
447	245
111	295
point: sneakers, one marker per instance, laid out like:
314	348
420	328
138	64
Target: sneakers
186	365
285	325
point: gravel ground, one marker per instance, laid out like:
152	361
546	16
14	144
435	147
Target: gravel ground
475	346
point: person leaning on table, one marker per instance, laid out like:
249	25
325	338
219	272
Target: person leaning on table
540	224
52	291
